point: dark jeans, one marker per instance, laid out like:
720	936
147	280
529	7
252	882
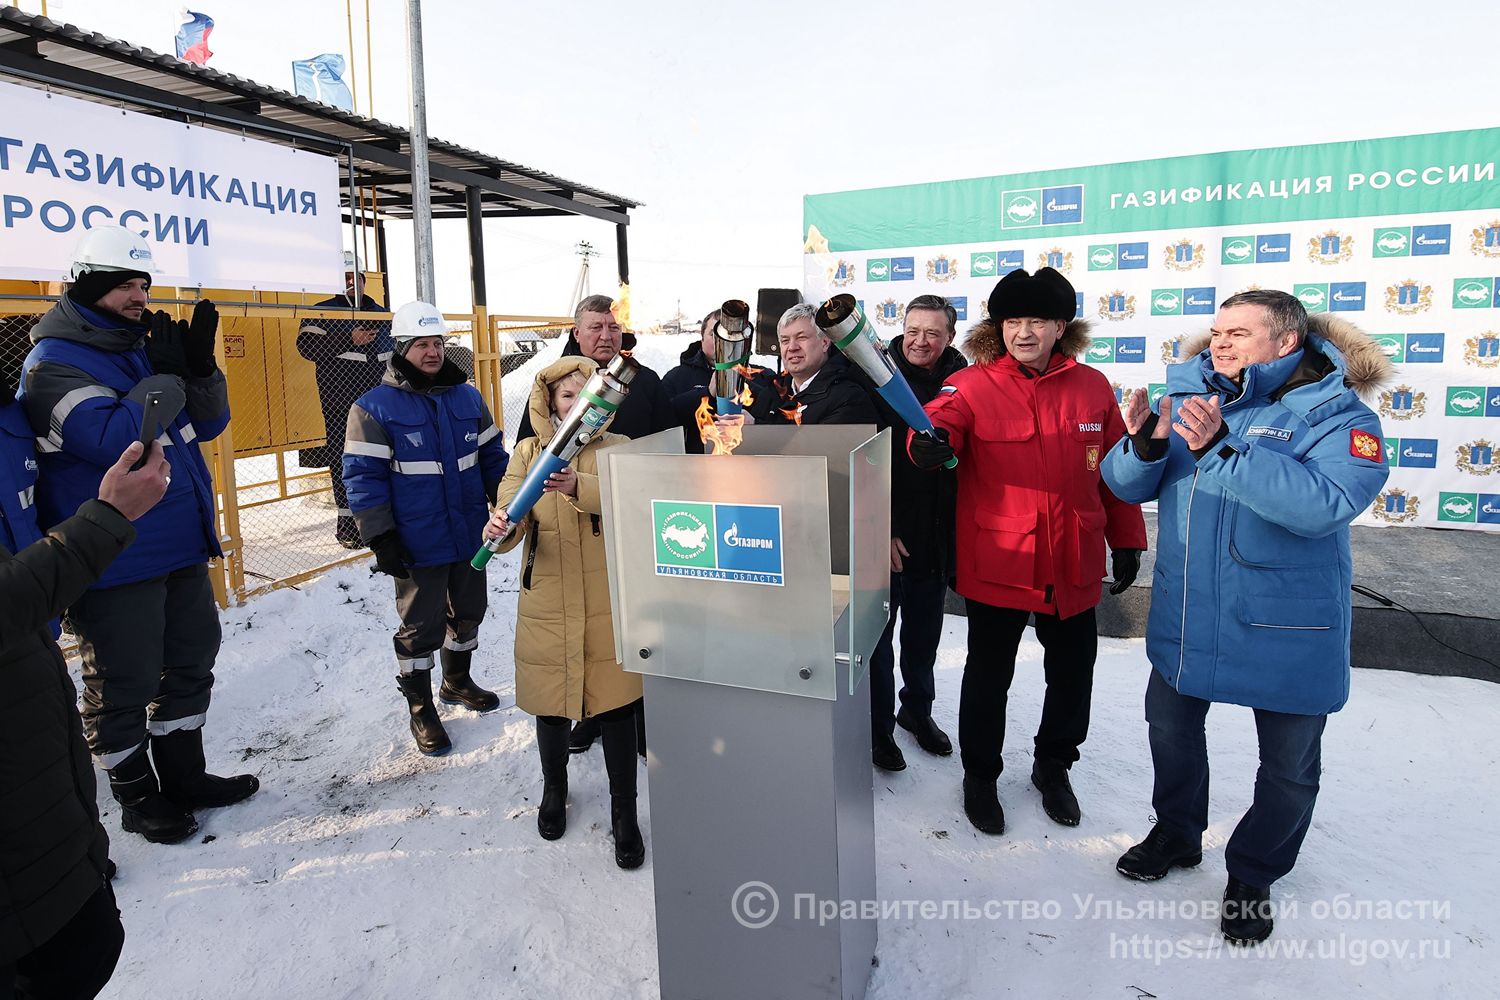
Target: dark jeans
1264	845
1069	648
76	962
920	602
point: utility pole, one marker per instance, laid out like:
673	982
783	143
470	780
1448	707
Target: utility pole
584	250
421	182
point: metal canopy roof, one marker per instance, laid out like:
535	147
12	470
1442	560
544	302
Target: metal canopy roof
37	52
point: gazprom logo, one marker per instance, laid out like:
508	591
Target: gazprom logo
1133	256
1346	296
1424	348
1198	301
1007	261
903	268
1418	453
1430	241
1119	257
140	253
430	321
1062	206
1028	208
734	539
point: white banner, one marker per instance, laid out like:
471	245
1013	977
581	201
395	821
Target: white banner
221	210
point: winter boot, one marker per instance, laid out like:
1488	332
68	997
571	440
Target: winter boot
184	778
886	755
1058	801
1158	854
584	734
426	727
552	744
143	808
458	688
982	805
620	762
1247	913
929	736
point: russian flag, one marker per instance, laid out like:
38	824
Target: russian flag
192	36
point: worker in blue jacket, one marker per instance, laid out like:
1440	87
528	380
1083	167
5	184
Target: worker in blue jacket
1261	455
423	459
148	628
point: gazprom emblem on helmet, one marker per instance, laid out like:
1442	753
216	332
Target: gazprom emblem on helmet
430	321
141	253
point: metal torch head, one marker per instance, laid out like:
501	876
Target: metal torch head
602	395
841	319
731	347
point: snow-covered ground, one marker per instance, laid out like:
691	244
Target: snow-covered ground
363	869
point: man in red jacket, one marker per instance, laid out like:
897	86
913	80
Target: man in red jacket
1031	425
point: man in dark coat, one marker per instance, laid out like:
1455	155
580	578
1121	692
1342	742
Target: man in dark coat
60	932
818	385
597	334
921	546
351	357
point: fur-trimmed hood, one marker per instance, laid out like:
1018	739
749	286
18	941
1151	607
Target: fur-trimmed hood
983	344
1366	368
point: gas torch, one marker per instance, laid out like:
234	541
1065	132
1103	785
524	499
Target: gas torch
601	396
731	353
841	319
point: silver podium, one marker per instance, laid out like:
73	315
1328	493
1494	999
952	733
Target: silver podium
750	590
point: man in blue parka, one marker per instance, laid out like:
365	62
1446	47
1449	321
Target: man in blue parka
148	628
1260	457
423	459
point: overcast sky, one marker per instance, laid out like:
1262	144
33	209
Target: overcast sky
719	117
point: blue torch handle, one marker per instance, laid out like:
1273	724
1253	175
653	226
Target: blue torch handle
724	406
897	392
526	497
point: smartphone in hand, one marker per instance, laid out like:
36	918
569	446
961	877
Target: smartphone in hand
150	426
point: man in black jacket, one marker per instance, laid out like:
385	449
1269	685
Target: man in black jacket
597	334
60	931
817	384
921	546
351	357
687	384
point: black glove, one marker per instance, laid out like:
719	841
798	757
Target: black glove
201	332
1125	564
166	345
928	452
391	557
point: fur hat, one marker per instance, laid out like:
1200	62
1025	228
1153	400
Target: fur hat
1046	295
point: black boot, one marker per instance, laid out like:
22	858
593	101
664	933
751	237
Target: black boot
143	808
1051	779
458	688
583	736
929	736
886	755
982	805
184	777
619	761
1247	913
1158	854
552	744
426	727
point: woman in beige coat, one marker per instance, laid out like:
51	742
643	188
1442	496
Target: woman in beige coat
565	650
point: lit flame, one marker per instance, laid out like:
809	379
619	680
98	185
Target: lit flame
726	436
621	308
794	413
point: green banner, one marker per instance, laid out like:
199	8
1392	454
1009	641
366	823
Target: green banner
1448	171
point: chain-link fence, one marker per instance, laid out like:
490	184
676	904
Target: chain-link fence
294	369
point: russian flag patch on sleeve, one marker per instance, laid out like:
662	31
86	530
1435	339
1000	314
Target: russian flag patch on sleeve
1363	444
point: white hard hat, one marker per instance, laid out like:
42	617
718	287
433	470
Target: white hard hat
348	261
418	319
112	248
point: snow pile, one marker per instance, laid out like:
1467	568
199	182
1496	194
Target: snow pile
363	869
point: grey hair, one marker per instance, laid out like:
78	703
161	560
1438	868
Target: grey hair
802	310
593	304
937	303
1285	311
